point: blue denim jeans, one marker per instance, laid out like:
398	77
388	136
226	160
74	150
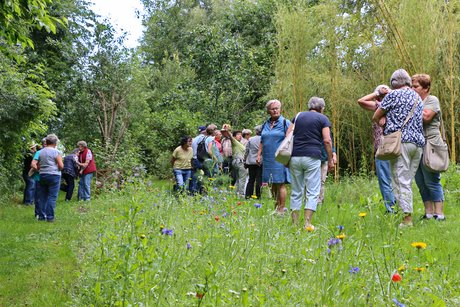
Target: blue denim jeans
183	177
429	184
48	191
84	187
305	182
383	171
29	190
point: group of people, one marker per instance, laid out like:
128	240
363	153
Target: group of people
45	166
410	108
219	151
313	155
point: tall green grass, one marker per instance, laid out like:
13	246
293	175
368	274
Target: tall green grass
144	246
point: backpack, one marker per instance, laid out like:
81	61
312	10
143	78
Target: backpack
201	152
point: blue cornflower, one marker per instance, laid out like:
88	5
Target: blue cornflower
257	205
353	270
189	246
333	241
340	227
167	232
398	304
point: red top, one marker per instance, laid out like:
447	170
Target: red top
85	155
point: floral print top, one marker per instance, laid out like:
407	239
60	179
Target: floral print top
398	104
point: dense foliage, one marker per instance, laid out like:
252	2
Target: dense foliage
211	61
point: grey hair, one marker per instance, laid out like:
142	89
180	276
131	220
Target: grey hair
400	78
381	86
82	143
258	129
51	139
270	102
316	103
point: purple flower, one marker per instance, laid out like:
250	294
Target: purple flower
353	270
340	227
333	241
224	214
257	205
167	232
189	246
328	250
398	304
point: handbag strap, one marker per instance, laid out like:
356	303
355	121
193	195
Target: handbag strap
409	115
295	119
443	131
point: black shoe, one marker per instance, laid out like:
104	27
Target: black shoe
424	217
441	219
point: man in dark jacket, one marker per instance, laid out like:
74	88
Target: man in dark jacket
29	190
69	173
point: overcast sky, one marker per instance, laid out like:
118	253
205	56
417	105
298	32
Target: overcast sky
122	13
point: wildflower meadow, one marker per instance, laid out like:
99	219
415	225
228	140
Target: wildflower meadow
144	246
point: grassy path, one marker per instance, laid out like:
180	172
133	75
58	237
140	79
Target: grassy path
39	260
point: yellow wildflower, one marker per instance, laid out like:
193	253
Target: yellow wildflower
362	214
341	236
402	268
420	269
254	196
418	245
310	228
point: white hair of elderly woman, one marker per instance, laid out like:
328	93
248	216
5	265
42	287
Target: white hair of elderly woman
400	78
316	103
270	102
381	87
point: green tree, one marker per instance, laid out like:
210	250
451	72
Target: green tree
18	17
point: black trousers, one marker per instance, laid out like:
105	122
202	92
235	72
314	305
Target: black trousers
255	177
69	185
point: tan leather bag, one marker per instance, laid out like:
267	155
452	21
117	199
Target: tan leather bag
390	144
436	153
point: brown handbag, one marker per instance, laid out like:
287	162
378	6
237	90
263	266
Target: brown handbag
390	144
